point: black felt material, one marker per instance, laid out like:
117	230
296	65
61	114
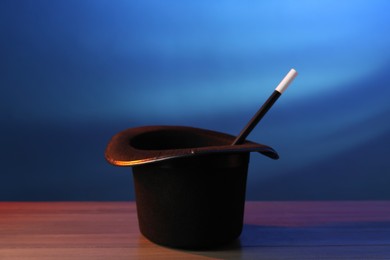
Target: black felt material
148	144
189	182
192	203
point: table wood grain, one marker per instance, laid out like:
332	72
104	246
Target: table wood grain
272	230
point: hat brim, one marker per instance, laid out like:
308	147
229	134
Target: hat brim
148	144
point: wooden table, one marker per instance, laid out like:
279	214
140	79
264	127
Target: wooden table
273	230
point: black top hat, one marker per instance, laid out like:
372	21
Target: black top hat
141	145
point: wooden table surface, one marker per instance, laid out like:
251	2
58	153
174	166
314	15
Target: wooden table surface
272	230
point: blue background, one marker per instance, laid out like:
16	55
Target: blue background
74	73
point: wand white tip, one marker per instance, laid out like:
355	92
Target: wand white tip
286	81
